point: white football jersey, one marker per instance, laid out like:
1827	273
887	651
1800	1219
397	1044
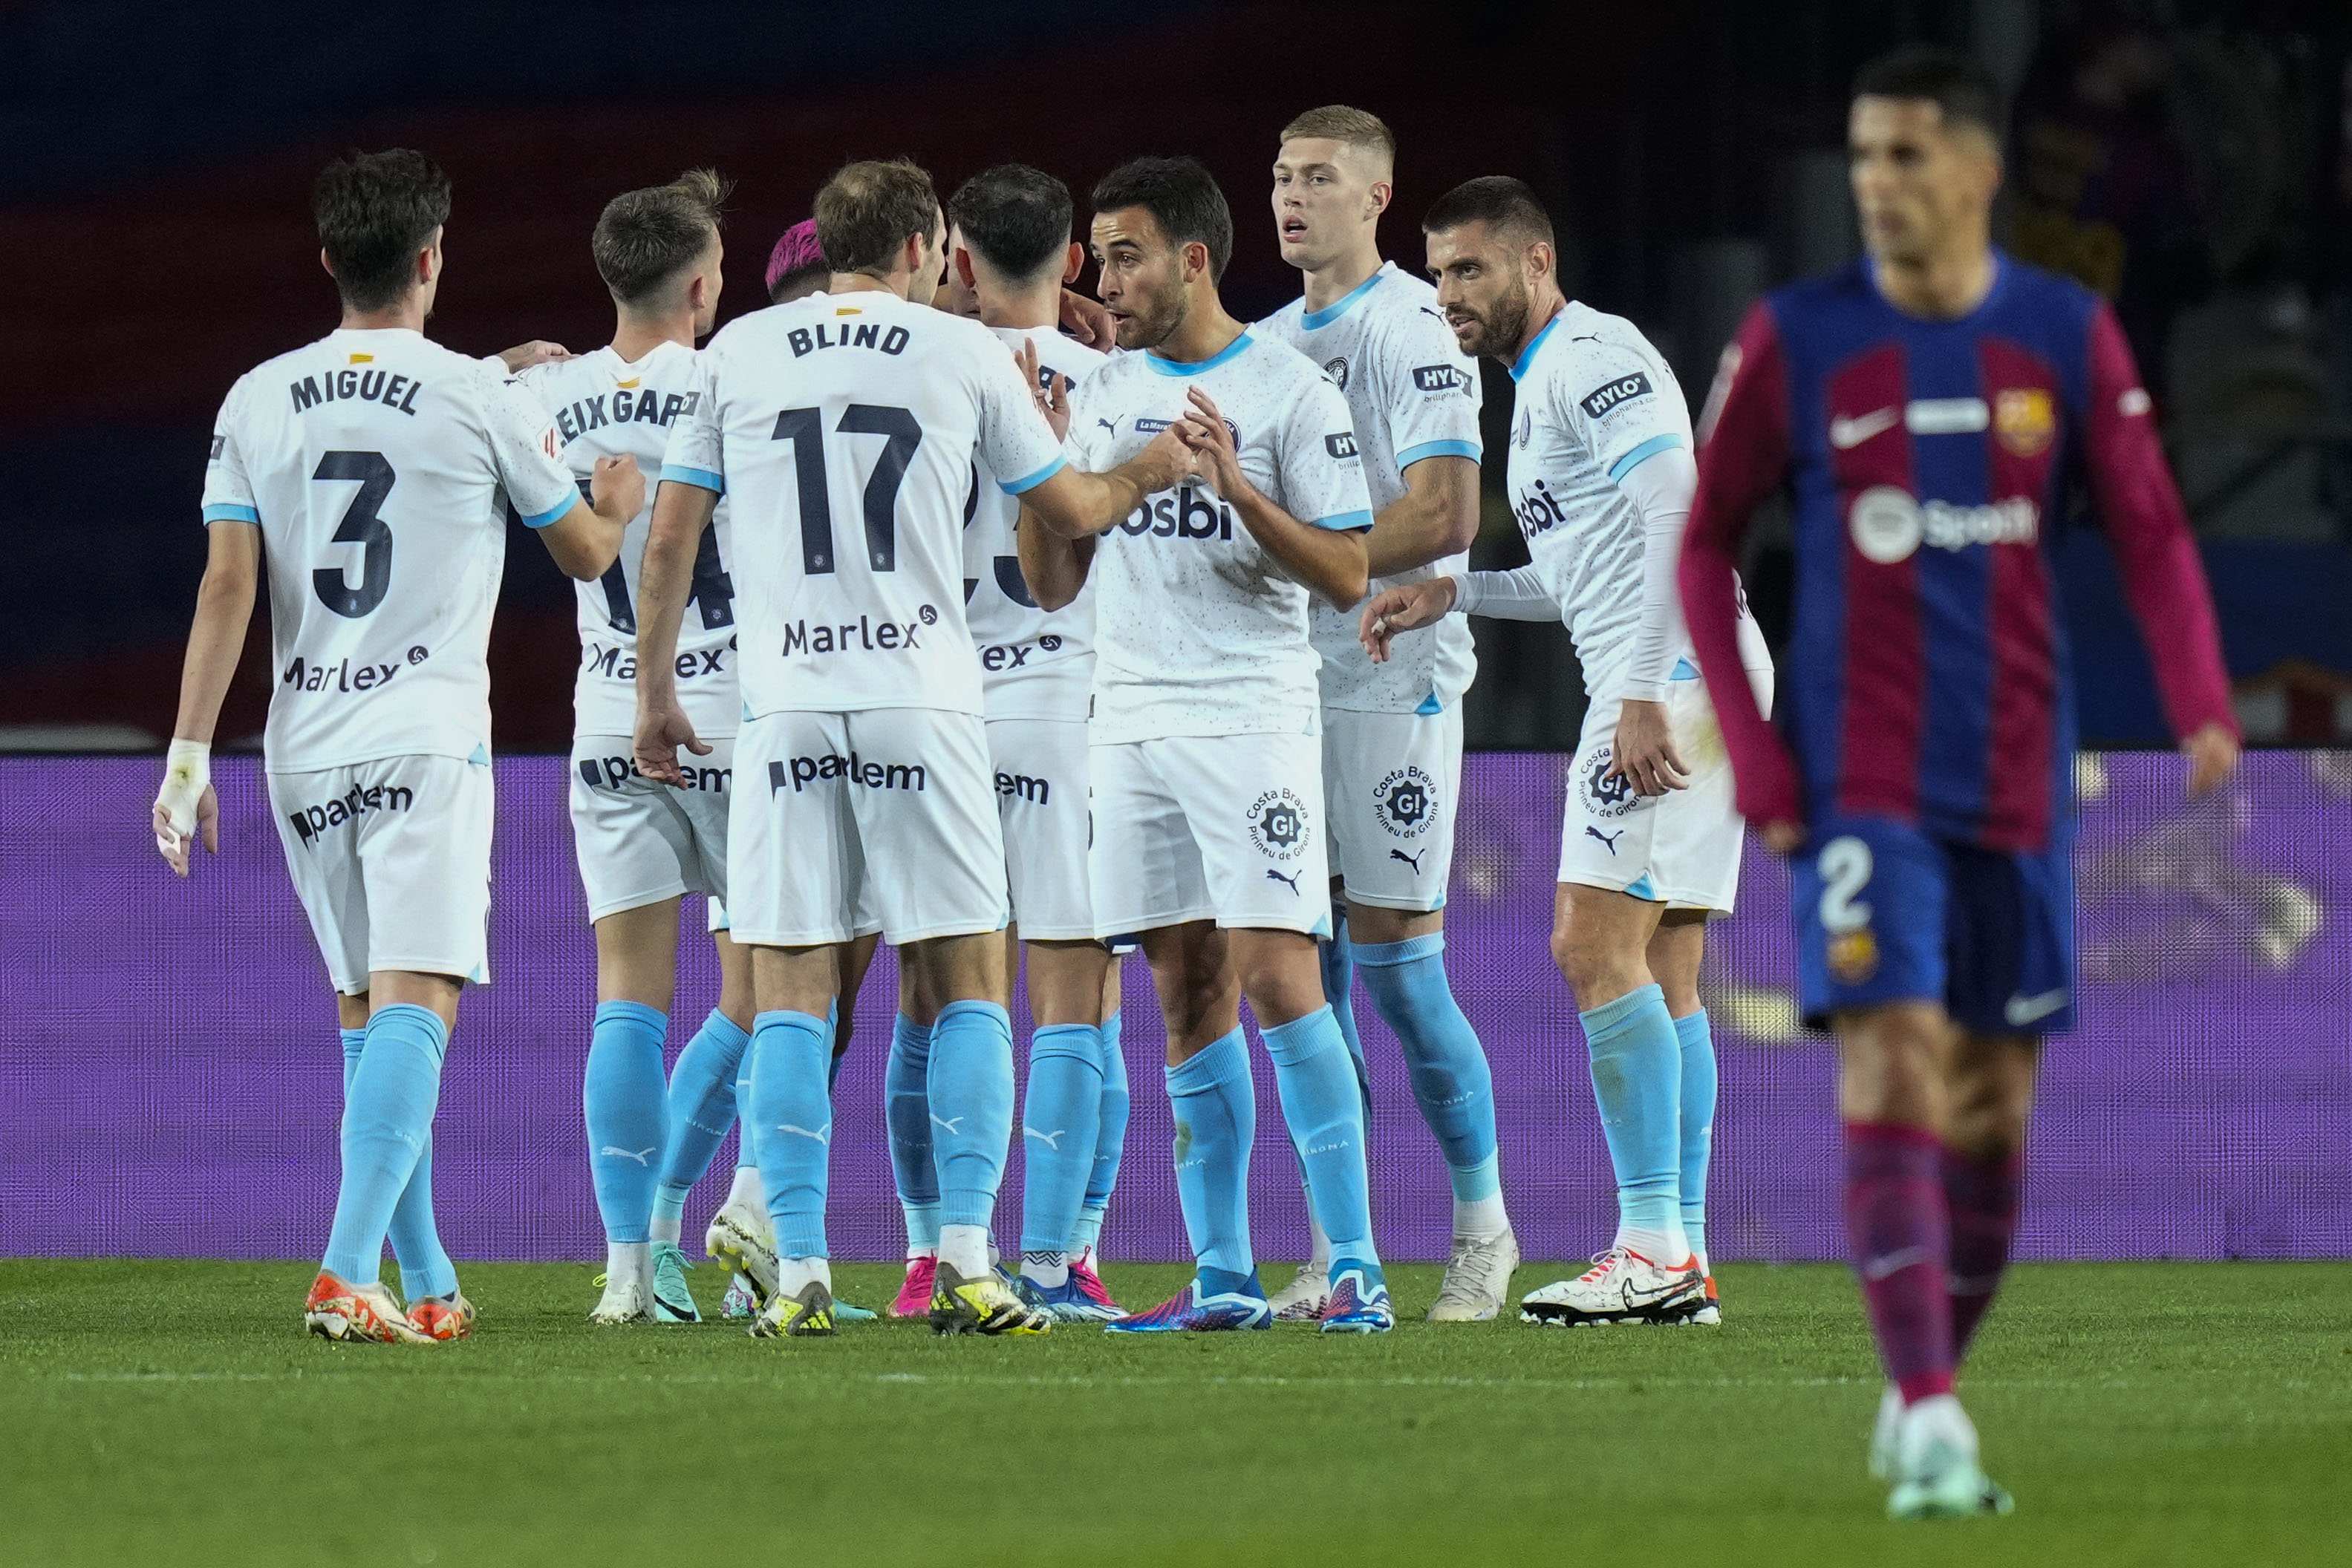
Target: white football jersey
843	429
1594	399
1198	631
1414	393
1034	663
379	466
604	406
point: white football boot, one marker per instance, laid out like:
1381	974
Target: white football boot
742	1238
1621	1286
1306	1298
628	1295
1477	1279
1936	1470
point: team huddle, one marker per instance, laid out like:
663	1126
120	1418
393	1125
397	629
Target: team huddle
935	605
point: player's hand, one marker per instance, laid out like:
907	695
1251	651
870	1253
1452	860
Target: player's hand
661	730
1051	393
1643	751
2213	757
538	352
1215	457
1165	462
186	806
617	488
1085	321
1406	608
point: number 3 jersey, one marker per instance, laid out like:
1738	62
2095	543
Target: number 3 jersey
379	466
1033	663
604	406
843	429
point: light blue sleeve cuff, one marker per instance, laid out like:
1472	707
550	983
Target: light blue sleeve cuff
1345	522
1028	481
1642	453
231	512
700	478
540	520
1412	455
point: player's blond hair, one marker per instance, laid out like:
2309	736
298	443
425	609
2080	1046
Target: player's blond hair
1349	127
644	238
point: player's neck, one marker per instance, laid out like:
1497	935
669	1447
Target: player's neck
1547	303
634	337
863	283
1335	280
408	314
1207	329
1022	309
1943	287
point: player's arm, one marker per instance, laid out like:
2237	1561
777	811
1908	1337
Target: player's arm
1519	594
1055	494
1743	457
1326	552
1436	517
1660	485
186	806
682	509
586	537
1054	568
2140	510
584	534
1431	412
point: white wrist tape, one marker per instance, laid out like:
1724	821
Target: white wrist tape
187	773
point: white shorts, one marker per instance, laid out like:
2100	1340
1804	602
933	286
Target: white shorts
846	823
638	842
1041	794
1681	849
1226	828
1392	782
392	862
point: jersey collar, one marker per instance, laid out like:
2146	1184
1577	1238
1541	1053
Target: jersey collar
1527	355
1315	320
1194	367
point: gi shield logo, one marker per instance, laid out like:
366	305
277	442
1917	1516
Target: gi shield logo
1601	400
1342	444
1336	369
1607	796
1278	825
1406	802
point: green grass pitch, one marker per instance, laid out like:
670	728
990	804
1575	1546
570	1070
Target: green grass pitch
174	1414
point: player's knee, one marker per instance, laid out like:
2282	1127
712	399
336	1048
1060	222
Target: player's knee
1595	969
1990	1093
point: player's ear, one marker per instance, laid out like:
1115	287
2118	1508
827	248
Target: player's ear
324	265
1383	193
1541	259
1071	265
1195	259
962	264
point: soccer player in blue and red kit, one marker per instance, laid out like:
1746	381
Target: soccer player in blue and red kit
1929	408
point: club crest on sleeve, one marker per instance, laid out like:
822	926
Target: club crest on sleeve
1336	369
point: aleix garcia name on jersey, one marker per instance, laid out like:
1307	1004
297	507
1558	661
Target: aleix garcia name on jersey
645	407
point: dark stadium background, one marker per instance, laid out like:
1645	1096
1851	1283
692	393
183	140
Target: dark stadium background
2195	159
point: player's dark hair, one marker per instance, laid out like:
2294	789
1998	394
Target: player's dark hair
1017	218
1503	204
868	209
646	238
799	282
1182	198
1963	87
376	211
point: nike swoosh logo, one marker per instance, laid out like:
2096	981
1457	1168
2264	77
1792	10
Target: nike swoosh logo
2023	1010
1847	433
1893	1263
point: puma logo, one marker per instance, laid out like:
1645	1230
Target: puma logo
1106	424
822	1136
952	1125
1052	1140
1608	839
1290	881
642	1156
1413	860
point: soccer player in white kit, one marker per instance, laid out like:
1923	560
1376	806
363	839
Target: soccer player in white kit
1601	475
641	845
371	471
845	426
1206	759
1392	732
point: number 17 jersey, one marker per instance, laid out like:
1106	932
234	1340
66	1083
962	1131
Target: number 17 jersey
379	466
842	429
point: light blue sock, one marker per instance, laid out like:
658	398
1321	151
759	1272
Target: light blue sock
907	1104
424	1266
1216	1108
790	1118
387	1117
700	1106
1637	1082
1697	1123
1450	1077
1058	1115
745	1160
623	1095
1325	1119
1338	952
834	1049
970	1108
1110	1141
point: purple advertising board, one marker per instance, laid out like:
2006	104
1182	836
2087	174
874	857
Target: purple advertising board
170	1074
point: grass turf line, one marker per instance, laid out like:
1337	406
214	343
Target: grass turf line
174	1412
